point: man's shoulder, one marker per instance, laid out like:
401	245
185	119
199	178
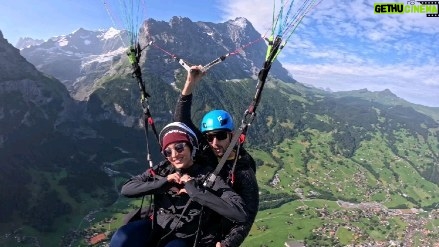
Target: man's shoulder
246	161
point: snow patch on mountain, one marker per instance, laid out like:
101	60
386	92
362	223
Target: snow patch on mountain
111	33
27	42
63	41
102	58
240	22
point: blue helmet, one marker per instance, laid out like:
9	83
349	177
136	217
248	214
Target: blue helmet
217	120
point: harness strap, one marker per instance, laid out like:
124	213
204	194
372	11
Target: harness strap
187	66
199	224
250	113
134	55
178	221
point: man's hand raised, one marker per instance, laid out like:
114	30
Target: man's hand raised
195	75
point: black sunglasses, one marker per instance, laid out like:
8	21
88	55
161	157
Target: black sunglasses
178	147
220	135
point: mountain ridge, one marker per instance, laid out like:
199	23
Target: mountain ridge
66	51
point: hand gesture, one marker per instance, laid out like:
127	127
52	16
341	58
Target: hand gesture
174	178
193	77
181	191
185	178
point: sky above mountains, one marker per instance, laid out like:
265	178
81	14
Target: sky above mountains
340	45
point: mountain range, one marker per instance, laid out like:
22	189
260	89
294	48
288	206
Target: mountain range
71	129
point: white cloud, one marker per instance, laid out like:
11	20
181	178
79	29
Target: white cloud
343	45
415	84
250	9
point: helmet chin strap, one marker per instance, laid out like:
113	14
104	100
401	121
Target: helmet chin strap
249	115
212	177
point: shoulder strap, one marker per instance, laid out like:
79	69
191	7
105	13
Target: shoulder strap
178	221
238	135
250	113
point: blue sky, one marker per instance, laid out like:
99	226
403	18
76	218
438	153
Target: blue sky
341	45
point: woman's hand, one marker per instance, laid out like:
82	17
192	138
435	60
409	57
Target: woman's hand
185	178
181	191
174	178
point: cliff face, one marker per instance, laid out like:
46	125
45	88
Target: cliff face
79	60
27	95
12	65
202	42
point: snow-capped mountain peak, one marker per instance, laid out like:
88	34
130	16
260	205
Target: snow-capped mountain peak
111	33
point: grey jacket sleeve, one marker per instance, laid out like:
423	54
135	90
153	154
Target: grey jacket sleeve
222	199
182	113
144	184
247	186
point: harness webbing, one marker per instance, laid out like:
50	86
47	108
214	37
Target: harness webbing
249	115
238	148
178	220
134	54
187	66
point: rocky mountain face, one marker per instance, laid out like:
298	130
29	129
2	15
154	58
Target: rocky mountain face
80	59
30	94
77	59
27	42
31	107
202	42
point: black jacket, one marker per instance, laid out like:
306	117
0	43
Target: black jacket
245	183
174	215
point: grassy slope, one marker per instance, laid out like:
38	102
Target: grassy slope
374	173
